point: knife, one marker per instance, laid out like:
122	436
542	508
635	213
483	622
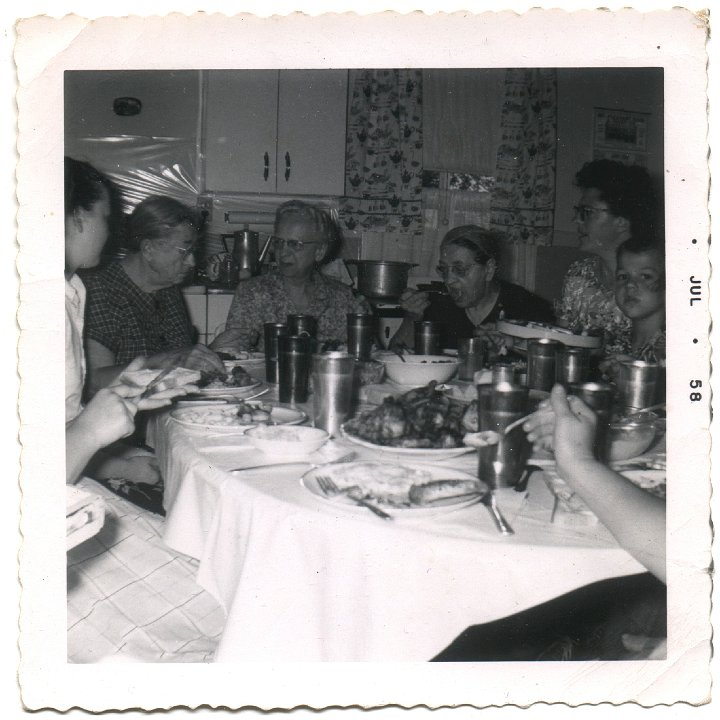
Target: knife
155	382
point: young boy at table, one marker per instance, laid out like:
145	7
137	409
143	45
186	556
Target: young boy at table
619	619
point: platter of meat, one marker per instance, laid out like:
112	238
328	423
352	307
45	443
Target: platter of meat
407	490
528	330
423	423
238	416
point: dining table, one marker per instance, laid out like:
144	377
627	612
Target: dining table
304	578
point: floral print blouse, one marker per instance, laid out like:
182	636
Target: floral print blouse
263	299
588	303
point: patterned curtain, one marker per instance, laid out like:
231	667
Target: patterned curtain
524	194
383	165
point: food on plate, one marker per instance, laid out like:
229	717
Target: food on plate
233	355
436	490
176	378
481	439
240	415
379	482
420	418
237	377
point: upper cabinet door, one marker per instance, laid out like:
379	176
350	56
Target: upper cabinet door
240	130
311	132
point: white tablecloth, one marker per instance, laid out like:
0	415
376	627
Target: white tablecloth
302	579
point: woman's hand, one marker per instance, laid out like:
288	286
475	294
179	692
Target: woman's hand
566	425
107	417
414	303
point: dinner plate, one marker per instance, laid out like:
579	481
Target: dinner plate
233	392
654	481
366	475
253	360
533	331
219	417
408	453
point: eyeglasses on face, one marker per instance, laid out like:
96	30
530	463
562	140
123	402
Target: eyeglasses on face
459	271
585	212
290	244
185	251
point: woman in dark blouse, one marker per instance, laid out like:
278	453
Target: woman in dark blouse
476	298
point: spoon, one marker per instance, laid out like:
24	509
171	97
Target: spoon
398	352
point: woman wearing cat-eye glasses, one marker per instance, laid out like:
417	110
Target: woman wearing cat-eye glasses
617	202
304	238
476	297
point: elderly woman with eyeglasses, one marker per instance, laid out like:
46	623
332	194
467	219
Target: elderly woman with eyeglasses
476	297
135	308
617	203
304	238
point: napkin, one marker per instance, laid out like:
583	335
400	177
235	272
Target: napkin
85	515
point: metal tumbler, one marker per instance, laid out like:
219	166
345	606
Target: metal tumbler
471	354
503	373
272	331
360	334
503	464
599	397
427	337
333	376
294	357
542	359
572	366
302	324
638	384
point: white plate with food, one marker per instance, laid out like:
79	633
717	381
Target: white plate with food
407	490
408	453
248	358
654	481
528	330
238	417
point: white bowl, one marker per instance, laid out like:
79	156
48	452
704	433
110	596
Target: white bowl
419	370
287	439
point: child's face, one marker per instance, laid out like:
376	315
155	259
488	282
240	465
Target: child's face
640	284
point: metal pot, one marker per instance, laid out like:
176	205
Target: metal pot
382	279
245	251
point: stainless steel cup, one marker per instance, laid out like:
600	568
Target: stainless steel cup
333	377
542	360
360	334
503	373
302	324
572	366
599	397
294	357
272	331
502	465
638	384
471	354
427	337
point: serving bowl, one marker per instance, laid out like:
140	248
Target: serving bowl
292	440
631	436
417	370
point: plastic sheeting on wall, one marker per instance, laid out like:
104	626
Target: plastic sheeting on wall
143	166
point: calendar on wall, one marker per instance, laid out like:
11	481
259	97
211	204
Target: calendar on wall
620	135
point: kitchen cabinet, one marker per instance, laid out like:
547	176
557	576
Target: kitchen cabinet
275	131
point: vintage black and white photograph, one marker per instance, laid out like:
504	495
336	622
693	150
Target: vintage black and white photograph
372	364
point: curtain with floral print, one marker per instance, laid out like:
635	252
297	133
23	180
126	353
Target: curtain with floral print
524	194
383	165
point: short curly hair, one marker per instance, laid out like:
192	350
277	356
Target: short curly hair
155	217
319	219
482	243
628	191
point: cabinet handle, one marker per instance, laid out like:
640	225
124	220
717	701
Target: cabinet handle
287	166
266	171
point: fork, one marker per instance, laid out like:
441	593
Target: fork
328	486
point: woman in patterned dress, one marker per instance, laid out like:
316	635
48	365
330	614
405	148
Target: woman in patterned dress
304	238
617	202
